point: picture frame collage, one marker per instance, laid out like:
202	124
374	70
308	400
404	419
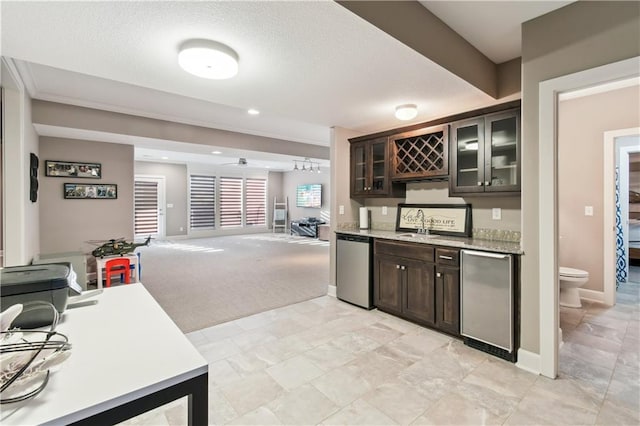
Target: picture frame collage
81	170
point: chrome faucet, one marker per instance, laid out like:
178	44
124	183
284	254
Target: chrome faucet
422	229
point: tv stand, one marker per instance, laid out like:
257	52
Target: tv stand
306	227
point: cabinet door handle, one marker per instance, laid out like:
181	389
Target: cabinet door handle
445	257
438	274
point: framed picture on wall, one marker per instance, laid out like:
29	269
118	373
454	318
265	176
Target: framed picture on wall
81	191
72	169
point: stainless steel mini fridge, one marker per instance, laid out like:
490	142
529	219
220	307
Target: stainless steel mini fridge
487	302
354	270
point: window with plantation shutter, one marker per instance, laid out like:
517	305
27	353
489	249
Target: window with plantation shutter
202	204
256	202
230	202
145	208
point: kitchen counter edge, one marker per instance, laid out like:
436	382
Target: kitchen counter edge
443	240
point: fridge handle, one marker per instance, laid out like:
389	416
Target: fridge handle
485	254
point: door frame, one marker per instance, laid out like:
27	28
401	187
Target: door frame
548	92
161	181
609	203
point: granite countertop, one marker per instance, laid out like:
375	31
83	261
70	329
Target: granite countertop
442	240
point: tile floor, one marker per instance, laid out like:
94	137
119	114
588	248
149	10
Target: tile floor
326	362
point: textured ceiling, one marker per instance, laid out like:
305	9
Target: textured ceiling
307	66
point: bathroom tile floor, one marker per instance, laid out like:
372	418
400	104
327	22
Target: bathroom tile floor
326	362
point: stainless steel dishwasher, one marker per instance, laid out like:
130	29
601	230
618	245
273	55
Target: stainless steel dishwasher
354	270
487	302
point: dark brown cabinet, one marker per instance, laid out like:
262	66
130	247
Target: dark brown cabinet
370	170
420	154
410	283
485	154
448	290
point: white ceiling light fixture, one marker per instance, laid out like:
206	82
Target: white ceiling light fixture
208	59
216	152
253	111
406	111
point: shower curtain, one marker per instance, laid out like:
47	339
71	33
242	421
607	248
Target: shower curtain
621	259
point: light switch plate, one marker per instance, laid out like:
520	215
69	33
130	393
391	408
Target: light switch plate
588	210
384	210
496	213
340	209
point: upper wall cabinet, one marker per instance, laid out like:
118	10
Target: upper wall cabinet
420	154
370	170
485	155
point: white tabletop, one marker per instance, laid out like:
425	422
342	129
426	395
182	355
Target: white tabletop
123	348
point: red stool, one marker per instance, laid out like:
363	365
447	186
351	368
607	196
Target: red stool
117	266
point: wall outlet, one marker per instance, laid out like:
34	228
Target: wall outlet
496	213
384	210
340	209
181	228
588	210
169	206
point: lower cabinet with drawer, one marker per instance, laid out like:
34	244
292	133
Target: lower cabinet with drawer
418	282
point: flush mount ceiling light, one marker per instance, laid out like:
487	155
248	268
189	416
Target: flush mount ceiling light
253	111
208	59
406	112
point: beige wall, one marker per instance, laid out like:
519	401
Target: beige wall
289	185
577	37
274	190
339	184
438	192
175	193
117	124
582	123
68	225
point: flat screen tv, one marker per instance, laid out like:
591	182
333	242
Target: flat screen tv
309	195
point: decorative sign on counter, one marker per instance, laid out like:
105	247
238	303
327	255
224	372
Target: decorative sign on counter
443	219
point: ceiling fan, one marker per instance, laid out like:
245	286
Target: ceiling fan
242	162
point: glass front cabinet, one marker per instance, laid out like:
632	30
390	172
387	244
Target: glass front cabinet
485	154
370	170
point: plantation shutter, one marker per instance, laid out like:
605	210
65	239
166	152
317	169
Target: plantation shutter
202	205
230	202
145	208
255	201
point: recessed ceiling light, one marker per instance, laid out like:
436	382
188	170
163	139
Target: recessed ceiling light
208	59
253	111
267	167
216	152
406	112
165	158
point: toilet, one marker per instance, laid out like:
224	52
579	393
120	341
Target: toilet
570	282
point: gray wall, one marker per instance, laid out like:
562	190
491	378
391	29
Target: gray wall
68	225
290	182
176	188
578	37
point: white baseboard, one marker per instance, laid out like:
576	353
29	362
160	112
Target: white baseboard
528	361
331	290
593	295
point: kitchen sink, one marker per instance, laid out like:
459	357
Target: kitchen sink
416	236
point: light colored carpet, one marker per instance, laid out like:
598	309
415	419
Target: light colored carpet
207	281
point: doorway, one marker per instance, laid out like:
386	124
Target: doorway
149	202
548	193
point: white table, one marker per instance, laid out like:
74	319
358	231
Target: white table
127	357
101	261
